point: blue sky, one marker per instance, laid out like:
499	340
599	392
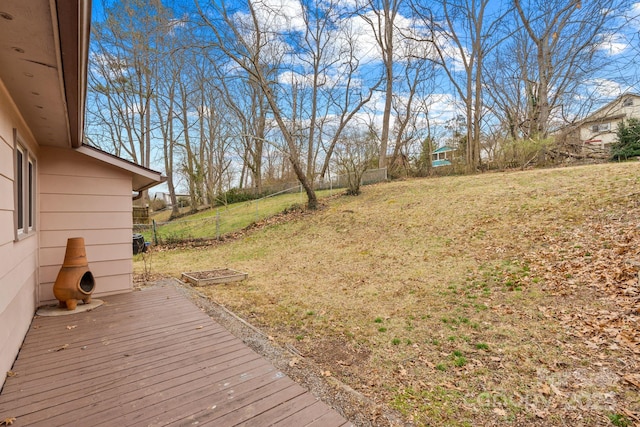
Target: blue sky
621	49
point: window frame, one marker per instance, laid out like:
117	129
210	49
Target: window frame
601	127
25	167
627	102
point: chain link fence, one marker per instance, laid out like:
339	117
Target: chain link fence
215	222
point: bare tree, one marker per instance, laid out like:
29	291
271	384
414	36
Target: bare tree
410	103
124	73
567	38
509	86
165	104
347	96
381	16
467	33
355	153
249	44
127	53
250	111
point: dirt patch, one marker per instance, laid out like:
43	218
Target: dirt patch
334	352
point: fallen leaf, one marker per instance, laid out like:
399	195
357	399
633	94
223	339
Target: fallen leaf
451	386
72	326
540	414
62	348
557	391
7	421
200	327
500	411
632	379
293	362
11	374
326	373
545	389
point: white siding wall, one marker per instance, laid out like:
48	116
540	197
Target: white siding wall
83	197
609	136
18	259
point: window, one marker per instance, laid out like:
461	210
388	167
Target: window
24	190
20	187
627	102
600	128
30	194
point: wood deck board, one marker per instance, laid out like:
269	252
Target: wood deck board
179	408
178	352
330	418
284	410
252	407
124	382
302	418
149	358
54	355
116	358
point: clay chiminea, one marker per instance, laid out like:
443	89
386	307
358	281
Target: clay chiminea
75	281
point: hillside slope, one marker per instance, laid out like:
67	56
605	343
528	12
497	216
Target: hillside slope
495	299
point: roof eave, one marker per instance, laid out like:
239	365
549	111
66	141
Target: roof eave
143	178
74	26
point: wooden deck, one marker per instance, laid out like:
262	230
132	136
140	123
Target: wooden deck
150	358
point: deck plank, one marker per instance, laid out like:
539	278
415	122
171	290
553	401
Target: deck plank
149	358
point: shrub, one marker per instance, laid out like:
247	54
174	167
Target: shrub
627	140
237	195
157	204
184	201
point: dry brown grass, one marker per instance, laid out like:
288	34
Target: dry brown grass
440	298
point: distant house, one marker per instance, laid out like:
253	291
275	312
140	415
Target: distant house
52	187
598	130
165	197
443	156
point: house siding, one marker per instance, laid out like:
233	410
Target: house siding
611	115
19	265
83	197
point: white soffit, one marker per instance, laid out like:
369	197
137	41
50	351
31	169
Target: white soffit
30	68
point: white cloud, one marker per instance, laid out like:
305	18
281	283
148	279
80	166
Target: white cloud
633	15
604	88
614	44
279	15
364	28
305	80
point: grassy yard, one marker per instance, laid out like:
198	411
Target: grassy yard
207	224
494	299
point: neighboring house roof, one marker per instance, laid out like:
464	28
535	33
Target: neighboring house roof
43	51
610	111
444	149
437	163
600	119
